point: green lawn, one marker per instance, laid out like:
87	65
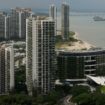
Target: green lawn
103	89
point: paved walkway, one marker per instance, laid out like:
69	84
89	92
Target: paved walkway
67	100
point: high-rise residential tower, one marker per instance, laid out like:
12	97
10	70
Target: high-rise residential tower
9	66
3	76
17	22
65	21
6	69
53	14
40	54
3	25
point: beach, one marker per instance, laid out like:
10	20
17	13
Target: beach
76	45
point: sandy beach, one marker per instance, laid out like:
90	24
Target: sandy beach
78	45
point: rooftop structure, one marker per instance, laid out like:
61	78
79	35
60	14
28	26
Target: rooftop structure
99	80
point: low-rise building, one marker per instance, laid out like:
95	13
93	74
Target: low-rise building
78	64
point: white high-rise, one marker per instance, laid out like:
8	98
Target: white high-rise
17	22
9	66
40	54
6	69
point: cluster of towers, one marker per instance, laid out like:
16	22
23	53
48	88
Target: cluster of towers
40	32
65	9
13	25
40	49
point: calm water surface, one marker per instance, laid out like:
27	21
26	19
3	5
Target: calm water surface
88	29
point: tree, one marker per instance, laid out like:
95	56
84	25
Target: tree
20	80
77	90
84	99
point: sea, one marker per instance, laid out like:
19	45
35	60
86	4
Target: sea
83	23
88	30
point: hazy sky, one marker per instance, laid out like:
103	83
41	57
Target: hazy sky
75	4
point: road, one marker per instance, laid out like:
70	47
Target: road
67	100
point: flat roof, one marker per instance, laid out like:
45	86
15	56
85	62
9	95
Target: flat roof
75	80
93	51
100	80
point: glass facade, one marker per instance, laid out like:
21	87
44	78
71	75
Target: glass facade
76	65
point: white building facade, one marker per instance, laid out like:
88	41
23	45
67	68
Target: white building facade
6	69
40	55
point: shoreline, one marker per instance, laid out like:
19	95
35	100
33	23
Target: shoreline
76	45
76	36
80	44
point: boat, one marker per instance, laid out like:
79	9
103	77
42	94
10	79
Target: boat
97	18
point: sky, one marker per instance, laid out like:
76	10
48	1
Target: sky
44	4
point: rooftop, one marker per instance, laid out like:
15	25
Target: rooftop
100	80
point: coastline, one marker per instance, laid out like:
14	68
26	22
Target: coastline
88	45
76	45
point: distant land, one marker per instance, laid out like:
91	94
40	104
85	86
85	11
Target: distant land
71	10
43	10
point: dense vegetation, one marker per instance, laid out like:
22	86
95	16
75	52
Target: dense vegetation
20	80
80	94
23	99
71	38
59	41
83	96
20	97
